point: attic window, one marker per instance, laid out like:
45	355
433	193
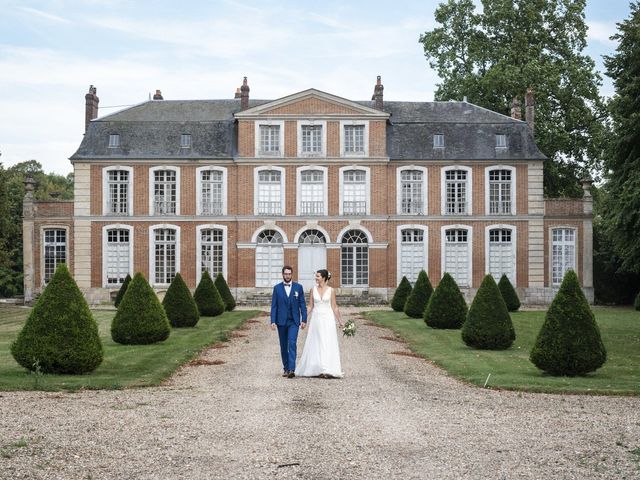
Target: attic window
501	140
185	140
114	140
438	140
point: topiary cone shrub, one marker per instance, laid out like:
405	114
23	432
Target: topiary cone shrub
140	319
447	308
122	290
488	325
419	296
400	296
60	334
569	341
181	309
636	303
509	294
207	297
223	288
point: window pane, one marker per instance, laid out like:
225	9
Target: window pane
354	138
270	139
411	185
211	244
55	251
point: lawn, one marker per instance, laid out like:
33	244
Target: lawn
511	369
124	365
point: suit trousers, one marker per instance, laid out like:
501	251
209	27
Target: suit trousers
288	335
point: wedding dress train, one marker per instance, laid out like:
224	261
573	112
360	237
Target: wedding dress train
321	354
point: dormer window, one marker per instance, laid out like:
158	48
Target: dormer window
501	140
185	140
114	140
438	140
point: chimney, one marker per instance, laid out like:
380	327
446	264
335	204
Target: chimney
244	95
238	94
377	94
529	110
158	95
91	106
516	110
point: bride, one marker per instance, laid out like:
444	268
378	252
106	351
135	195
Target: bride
321	355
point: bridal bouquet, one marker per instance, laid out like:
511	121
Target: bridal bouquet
349	329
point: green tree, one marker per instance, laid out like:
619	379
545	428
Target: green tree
569	341
60	335
488	325
622	212
122	291
508	294
207	297
446	308
492	57
181	309
419	296
140	318
401	294
223	288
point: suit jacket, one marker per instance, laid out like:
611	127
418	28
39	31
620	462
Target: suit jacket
283	306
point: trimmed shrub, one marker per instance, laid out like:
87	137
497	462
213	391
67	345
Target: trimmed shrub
60	335
400	296
636	303
207	297
569	341
223	288
122	290
447	308
181	309
509	294
488	325
140	319
419	296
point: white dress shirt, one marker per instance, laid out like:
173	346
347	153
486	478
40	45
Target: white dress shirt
287	289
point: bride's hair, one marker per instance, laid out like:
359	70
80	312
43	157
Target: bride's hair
326	274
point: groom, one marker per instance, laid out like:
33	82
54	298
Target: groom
288	313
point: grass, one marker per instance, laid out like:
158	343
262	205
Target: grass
124	366
511	369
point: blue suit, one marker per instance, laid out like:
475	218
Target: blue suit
287	312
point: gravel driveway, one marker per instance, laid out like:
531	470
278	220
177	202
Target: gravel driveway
392	416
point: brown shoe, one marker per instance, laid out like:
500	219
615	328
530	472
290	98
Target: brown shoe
291	374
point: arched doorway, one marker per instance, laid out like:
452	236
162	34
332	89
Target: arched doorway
269	258
312	256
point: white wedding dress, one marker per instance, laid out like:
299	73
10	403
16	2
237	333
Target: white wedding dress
321	354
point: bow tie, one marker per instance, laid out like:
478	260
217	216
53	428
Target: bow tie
287	284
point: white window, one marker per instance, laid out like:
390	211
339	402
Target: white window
354	191
456	190
412	191
354	139
165	253
165	191
500	190
412	255
269	191
114	140
563	253
354	259
501	258
312	191
456	255
185	140
54	251
501	140
211	192
117	190
438	140
270	140
311	139
211	251
269	258
117	255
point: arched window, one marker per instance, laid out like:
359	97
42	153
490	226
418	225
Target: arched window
413	253
355	259
211	251
166	256
457	255
312	237
269	258
501	256
117	254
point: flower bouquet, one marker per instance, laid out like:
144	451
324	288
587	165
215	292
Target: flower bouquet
349	329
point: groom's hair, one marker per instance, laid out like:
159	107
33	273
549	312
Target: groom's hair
287	267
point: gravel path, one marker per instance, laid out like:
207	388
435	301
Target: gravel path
392	416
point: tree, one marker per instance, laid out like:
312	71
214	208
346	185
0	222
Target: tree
140	318
494	56
622	213
508	293
569	341
123	289
207	297
60	335
223	288
636	302
446	308
419	296
401	294
181	309
488	325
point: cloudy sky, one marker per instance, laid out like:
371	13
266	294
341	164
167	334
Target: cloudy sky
52	50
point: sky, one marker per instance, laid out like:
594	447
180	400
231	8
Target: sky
52	50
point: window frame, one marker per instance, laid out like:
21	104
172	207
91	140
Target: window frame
514	253
425	179
105	230
256	189
438	145
105	190
425	234
114	140
183	137
365	139
368	243
443	242
487	189
152	171
256	245
325	187
199	170
575	252
468	190
269	123
152	251
367	181
225	253
43	228
323	138
504	137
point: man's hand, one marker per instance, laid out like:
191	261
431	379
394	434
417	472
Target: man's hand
302	325
273	326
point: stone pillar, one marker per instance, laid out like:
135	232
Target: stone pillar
587	240
28	236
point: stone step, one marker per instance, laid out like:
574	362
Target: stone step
259	299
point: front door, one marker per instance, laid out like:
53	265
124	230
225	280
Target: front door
311	258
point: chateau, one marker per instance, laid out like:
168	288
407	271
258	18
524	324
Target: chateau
372	190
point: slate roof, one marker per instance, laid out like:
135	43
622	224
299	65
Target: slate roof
152	130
